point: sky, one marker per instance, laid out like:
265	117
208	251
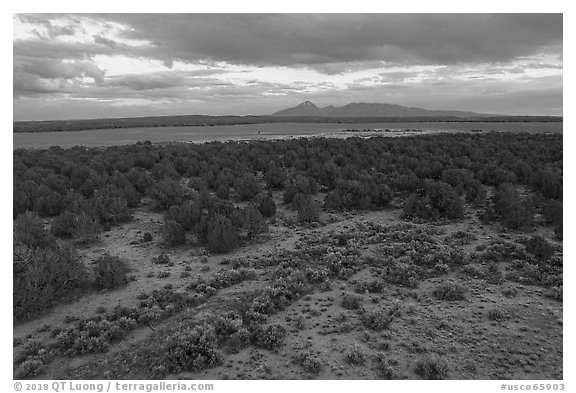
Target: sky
74	66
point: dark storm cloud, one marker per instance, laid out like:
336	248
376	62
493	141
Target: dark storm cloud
30	85
148	81
53	31
46	49
98	39
53	69
164	80
318	39
321	40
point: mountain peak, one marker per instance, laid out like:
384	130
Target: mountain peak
361	109
307	104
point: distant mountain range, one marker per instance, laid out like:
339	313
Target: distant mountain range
307	108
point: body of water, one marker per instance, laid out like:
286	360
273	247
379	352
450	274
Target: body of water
199	134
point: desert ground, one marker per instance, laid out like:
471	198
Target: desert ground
501	329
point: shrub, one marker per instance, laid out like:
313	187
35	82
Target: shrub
403	274
110	205
432	368
438	199
266	206
93	335
29	230
358	194
450	291
222	236
44	276
308	209
372	286
173	233
275	177
223	192
247	186
188	214
86	229
555	293
63	225
309	363
32	359
191	349
254	223
355	355
271	336
385	367
510	208
552	211
496	314
540	248
300	322
377	320
166	193
161	259
147	237
110	272
81	226
558	231
29	368
351	301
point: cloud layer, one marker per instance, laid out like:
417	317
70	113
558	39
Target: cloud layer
245	63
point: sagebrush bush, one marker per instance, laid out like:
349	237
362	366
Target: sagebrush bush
450	291
271	336
402	273
93	335
355	355
496	314
110	272
32	358
192	349
43	277
384	367
377	320
555	293
351	301
432	368
162	259
309	362
540	248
